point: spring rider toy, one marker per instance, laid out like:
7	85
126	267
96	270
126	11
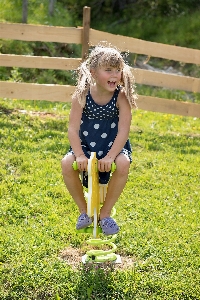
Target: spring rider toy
95	197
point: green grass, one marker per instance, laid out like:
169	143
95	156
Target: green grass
158	211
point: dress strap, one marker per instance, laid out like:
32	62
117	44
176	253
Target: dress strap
116	92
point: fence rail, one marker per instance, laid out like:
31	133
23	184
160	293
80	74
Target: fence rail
39	62
138	46
30	91
146	77
87	36
32	33
171	81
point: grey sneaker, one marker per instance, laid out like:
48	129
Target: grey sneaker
109	226
83	221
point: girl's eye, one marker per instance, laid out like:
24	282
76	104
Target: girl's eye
109	70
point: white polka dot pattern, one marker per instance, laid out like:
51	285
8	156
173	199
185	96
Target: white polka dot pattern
85	133
104	135
92	144
98	130
99	125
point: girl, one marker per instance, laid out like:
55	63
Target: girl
100	120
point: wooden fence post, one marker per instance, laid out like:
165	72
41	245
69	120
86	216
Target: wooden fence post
86	32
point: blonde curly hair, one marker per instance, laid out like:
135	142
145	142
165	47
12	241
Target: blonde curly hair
104	56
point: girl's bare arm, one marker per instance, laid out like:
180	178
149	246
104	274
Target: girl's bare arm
73	134
125	117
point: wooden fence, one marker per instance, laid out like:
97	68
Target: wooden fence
87	37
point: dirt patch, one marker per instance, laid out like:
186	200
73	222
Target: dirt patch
193	135
73	257
41	114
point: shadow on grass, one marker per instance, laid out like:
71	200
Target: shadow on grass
6	111
97	281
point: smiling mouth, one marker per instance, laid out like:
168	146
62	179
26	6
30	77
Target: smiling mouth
112	83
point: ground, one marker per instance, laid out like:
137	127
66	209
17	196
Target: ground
73	256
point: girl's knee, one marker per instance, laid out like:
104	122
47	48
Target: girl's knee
67	161
123	163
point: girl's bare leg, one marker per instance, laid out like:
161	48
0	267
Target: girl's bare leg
73	182
116	185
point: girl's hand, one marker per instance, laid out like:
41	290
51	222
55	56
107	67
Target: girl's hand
82	162
104	164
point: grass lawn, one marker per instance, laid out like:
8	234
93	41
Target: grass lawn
158	211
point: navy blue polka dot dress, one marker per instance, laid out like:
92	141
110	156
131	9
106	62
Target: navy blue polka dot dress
98	130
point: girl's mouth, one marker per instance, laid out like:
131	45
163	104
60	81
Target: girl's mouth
112	83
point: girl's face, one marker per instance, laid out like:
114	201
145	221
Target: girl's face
107	77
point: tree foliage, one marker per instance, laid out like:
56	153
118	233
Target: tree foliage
101	9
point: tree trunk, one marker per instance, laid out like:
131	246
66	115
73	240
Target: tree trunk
51	7
24	11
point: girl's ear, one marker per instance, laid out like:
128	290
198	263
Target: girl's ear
93	73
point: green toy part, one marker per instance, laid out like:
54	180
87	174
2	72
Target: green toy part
75	166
